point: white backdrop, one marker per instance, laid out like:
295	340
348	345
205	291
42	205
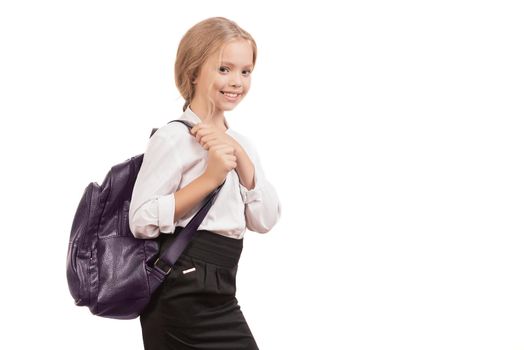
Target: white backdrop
392	132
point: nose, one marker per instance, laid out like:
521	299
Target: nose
236	82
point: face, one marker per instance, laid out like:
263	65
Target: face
229	79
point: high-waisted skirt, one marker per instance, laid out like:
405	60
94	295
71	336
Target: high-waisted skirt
196	307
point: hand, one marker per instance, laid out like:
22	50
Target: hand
209	135
221	160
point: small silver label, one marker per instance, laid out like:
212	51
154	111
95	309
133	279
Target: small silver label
189	270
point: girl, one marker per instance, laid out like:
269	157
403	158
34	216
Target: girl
196	307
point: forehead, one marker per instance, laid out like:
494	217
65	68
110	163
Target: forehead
238	53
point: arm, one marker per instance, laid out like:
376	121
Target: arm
154	208
192	195
262	205
245	168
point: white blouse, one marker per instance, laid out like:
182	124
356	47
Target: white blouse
173	159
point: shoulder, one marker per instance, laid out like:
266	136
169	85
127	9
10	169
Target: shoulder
172	133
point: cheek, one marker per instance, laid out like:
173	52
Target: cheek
247	83
220	84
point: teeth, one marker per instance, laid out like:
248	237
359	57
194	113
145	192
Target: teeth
230	94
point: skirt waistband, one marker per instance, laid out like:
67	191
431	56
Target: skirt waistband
209	246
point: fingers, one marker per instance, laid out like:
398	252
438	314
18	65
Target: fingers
214	142
207	138
201	135
231	161
206	135
223	147
197	127
202	129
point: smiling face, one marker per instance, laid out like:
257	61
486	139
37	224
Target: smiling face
226	82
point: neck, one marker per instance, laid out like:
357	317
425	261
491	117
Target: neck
203	112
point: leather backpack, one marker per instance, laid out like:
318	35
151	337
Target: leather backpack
110	271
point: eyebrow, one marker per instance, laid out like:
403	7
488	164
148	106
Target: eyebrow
231	64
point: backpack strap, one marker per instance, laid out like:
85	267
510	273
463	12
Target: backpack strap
172	252
188	124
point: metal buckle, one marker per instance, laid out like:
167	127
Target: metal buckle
165	265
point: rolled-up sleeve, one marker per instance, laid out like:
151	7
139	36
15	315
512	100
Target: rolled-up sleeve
152	207
262	205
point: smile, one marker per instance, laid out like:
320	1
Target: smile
230	95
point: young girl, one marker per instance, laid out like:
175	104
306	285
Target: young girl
196	307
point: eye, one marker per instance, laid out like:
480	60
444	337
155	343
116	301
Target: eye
246	72
223	69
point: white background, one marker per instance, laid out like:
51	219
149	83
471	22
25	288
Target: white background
392	132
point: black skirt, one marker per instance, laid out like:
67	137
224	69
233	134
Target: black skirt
196	307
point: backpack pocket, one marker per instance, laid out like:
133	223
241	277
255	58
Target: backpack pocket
78	268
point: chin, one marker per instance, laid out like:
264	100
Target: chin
227	107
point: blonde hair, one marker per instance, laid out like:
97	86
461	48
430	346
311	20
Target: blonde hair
200	42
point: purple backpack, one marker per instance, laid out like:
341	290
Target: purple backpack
108	269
